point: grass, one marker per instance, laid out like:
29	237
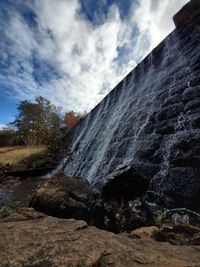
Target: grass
11	207
14	155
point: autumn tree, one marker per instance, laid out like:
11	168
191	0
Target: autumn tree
38	122
72	119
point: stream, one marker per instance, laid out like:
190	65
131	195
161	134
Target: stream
21	191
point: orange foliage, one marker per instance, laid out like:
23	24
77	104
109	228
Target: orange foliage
71	119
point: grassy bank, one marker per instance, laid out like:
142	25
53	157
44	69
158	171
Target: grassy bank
13	155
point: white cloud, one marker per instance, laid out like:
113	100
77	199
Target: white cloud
3	126
86	55
154	18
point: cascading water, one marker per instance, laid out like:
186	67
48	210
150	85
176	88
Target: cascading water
150	120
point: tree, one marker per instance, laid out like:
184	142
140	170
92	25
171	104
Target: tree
72	119
7	137
38	122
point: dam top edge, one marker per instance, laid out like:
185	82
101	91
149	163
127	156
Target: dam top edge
190	12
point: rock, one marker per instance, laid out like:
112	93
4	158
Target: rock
125	216
179	235
55	242
117	209
146	233
121	200
187	14
178	219
23	215
181	181
63	196
125	182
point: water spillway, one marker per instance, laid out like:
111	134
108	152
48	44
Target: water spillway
150	120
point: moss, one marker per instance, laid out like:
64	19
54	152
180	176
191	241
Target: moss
159	218
9	208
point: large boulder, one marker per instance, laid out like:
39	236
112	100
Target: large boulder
63	196
71	197
47	241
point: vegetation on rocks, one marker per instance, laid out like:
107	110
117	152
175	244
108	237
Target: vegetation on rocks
10	208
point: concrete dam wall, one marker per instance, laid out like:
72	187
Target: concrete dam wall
150	120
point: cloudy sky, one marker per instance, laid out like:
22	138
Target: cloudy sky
74	52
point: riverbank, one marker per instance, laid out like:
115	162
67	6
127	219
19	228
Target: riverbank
21	169
18	168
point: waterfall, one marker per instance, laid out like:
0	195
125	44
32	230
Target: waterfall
144	118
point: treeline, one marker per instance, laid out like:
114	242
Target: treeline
39	123
8	137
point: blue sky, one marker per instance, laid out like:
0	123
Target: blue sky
74	52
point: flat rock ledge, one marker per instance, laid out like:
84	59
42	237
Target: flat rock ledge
34	239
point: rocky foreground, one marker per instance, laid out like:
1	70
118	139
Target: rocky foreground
34	239
135	232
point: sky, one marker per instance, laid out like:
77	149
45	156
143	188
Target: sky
73	52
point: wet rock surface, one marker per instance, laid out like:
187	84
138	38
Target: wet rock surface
112	209
37	240
124	182
119	207
151	122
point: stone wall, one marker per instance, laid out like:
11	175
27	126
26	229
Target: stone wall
150	121
190	13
